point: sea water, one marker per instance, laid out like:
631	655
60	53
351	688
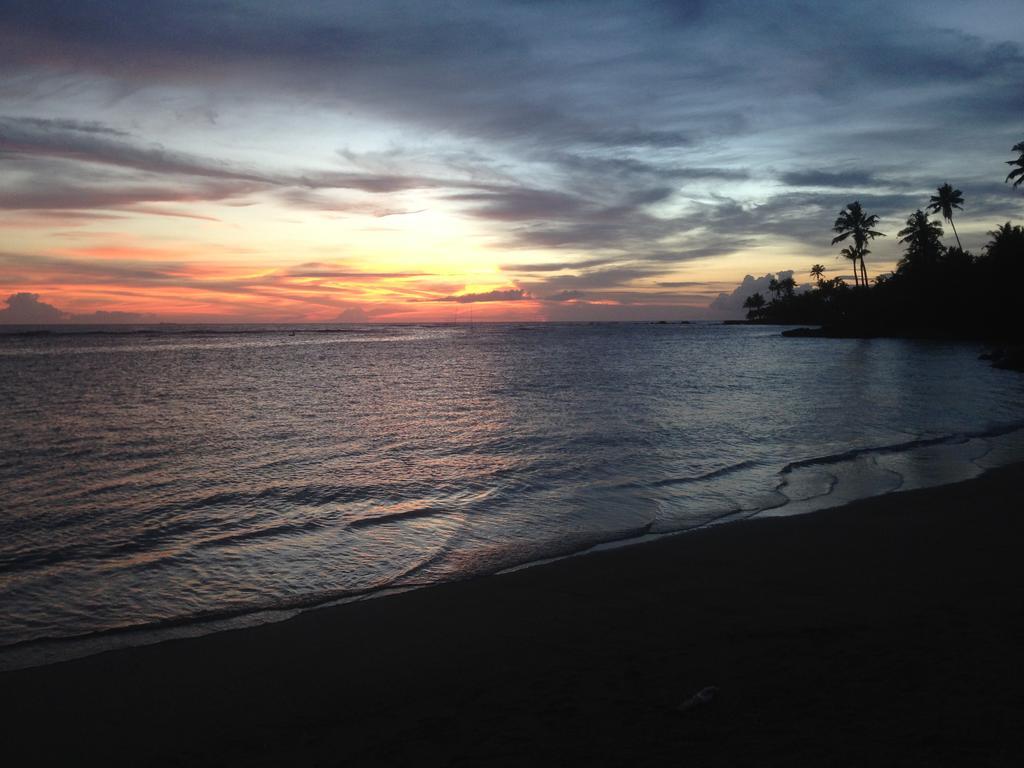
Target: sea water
191	478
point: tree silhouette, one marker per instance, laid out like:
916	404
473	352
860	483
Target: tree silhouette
938	289
754	304
852	221
1007	242
923	239
1017	172
854	255
944	202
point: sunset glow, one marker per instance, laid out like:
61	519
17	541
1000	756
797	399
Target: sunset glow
244	163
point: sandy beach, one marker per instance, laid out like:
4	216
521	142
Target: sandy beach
888	632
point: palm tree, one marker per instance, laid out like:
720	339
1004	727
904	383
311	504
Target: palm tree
853	221
1006	243
818	273
1017	172
923	239
775	287
754	304
948	199
854	255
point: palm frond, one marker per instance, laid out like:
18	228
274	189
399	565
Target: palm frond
1018	173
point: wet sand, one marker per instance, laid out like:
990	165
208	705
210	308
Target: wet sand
888	632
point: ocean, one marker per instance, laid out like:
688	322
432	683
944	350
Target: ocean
170	480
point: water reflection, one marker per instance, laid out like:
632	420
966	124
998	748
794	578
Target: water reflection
160	477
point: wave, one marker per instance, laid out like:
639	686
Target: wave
148	542
391	517
908	445
671	481
271	531
201	617
306	495
482	561
721	472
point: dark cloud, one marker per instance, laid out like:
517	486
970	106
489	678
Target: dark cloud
508	294
566	296
127	271
27	308
839	179
51	194
496	70
719	246
66	124
521	204
98	143
556	266
619	168
619	272
616	277
803	217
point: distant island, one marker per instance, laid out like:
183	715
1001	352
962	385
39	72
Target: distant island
937	291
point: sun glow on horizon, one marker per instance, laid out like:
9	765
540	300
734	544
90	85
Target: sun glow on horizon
632	169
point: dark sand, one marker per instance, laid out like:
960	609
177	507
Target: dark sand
889	632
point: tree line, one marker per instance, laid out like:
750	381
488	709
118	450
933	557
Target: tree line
937	289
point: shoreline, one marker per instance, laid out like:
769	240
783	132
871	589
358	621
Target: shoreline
887	630
44	651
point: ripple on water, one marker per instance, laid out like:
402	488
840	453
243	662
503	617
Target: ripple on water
156	478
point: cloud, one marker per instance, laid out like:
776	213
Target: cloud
731	304
839	179
495	69
337	272
51	194
646	77
126	269
508	294
66	124
609	147
26	308
352	315
628	168
566	296
556	266
98	143
615	277
521	204
309	290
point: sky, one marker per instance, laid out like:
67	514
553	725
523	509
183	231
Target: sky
219	160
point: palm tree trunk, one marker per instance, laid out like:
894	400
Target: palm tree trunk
955	234
864	271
